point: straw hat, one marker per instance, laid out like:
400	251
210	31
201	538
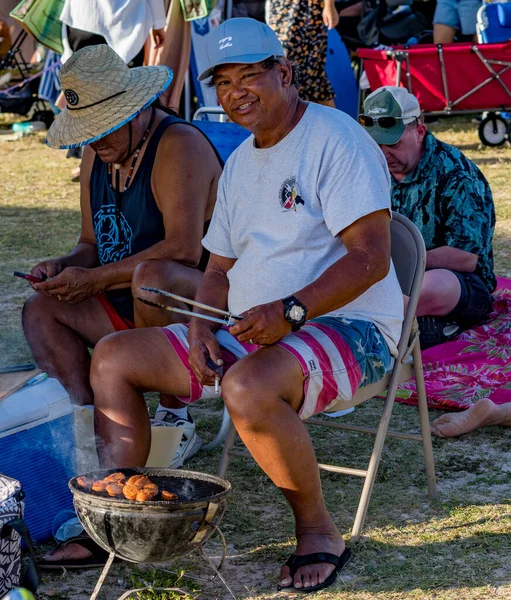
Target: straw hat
102	95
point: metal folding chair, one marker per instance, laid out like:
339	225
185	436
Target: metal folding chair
409	258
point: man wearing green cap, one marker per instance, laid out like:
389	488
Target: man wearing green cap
450	201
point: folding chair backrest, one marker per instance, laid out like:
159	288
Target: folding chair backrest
409	257
407	247
226	137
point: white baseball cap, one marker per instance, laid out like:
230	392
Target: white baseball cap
244	41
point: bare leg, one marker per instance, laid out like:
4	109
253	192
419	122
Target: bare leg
262	393
168	276
482	414
440	293
171	277
60	102
124	365
443	34
59	335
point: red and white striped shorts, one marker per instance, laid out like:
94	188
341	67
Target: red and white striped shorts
337	357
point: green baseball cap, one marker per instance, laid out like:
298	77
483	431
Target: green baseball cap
389	101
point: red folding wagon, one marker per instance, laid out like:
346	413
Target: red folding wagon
450	78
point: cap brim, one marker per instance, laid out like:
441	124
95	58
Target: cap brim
241	59
386	137
72	129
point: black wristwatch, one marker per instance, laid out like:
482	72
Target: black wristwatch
295	312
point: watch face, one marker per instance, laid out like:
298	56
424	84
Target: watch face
296	313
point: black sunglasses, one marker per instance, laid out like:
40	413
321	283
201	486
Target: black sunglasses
384	122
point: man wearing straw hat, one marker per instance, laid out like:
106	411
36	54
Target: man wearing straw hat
300	249
148	189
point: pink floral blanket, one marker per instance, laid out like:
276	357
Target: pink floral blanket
475	365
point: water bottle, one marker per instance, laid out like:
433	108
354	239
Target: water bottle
19	594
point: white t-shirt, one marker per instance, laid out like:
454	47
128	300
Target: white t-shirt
125	24
279	212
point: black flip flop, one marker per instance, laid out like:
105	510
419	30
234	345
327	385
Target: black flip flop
295	562
97	560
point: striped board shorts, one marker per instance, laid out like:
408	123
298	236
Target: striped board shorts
337	356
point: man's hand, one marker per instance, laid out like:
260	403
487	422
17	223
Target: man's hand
330	15
264	324
73	285
204	353
48	268
158	36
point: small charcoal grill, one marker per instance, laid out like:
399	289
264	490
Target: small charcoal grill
152	532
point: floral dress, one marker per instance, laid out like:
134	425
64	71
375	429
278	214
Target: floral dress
300	28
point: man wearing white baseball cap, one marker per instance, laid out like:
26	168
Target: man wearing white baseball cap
450	201
300	249
243	41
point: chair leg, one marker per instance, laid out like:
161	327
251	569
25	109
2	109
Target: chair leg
375	458
422	403
222	432
228	444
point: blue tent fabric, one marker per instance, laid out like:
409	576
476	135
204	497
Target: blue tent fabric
341	76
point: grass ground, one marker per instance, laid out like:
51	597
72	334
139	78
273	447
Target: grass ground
456	548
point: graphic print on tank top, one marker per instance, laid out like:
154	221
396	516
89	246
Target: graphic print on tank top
113	234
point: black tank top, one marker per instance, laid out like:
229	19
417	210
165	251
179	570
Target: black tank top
135	225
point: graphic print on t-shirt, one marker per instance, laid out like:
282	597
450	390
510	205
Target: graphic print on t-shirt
113	234
290	195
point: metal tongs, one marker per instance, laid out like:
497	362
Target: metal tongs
228	320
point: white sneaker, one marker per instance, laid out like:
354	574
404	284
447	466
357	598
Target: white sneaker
190	442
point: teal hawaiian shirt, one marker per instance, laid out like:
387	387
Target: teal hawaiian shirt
450	201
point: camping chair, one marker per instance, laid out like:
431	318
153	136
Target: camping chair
494	23
225	137
409	258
